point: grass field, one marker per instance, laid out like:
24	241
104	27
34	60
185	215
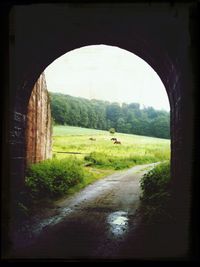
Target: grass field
134	149
102	157
68	172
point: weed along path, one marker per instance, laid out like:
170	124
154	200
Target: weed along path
93	223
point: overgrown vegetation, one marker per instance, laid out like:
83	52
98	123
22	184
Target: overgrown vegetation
104	115
156	194
67	174
54	177
103	160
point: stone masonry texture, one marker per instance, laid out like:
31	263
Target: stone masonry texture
38	127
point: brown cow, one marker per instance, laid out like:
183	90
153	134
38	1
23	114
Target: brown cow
117	142
113	139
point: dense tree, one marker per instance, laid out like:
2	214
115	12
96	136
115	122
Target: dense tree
113	112
121	125
98	114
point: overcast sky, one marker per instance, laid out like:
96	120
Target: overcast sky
107	73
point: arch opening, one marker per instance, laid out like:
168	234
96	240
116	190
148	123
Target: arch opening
87	78
106	154
164	61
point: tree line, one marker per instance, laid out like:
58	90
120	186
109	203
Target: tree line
103	115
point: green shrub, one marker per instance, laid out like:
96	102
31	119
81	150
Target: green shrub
156	193
121	165
53	177
112	130
156	180
97	158
107	161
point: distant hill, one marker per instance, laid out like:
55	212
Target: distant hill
102	115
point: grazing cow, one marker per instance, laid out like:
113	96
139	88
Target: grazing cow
113	139
92	139
117	142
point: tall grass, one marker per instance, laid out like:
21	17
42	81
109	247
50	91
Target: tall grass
103	160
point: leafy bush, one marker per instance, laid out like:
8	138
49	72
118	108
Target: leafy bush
112	130
156	193
53	177
103	160
100	159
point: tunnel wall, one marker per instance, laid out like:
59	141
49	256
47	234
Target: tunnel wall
38	124
159	34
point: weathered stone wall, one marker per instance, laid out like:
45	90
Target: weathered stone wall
38	127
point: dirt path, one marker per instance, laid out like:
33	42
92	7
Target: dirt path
94	223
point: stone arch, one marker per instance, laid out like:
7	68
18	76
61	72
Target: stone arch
38	42
168	73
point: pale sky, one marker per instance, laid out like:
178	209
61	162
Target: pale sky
107	73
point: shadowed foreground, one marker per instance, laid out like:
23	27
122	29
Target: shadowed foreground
100	222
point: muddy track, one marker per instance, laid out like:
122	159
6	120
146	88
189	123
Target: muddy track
93	224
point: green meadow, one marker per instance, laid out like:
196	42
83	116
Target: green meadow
103	153
67	172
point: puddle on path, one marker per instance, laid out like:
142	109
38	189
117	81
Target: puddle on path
118	223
